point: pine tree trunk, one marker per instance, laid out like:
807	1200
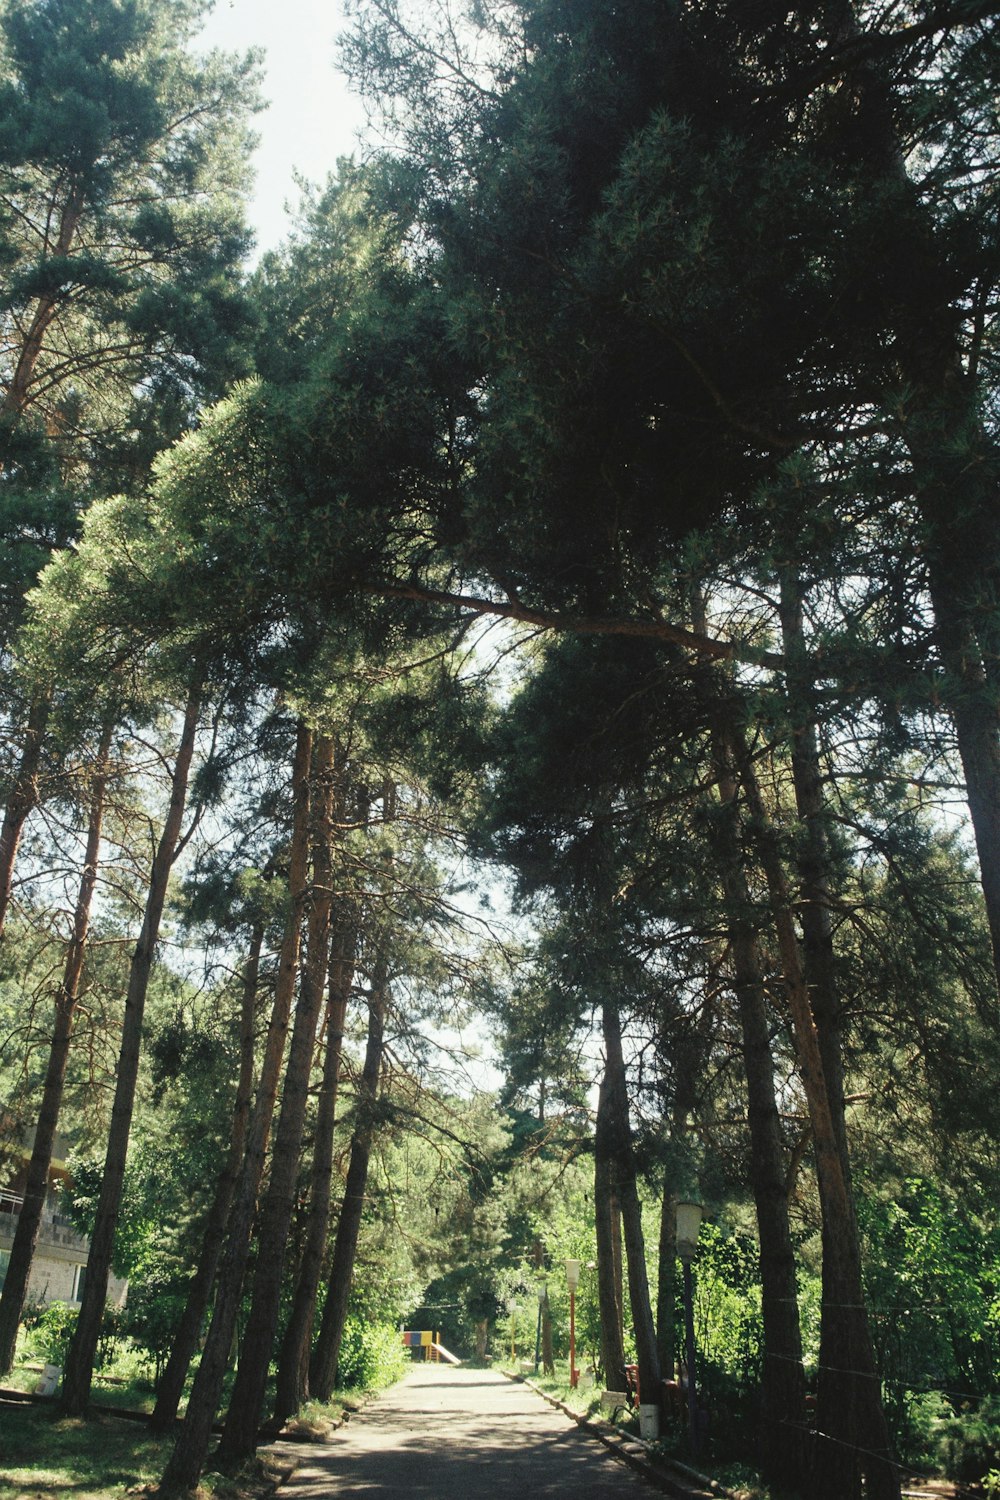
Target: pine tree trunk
852	1436
15	398
80	1357
974	700
676	1174
23	799
24	794
293	1365
29	1221
185	1342
617	1251
326	1356
188	1458
818	954
783	1384
635	1248
940	418
666	1280
782	1444
239	1435
812	859
606	1213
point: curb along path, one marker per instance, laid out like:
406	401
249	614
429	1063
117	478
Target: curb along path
457	1434
676	1479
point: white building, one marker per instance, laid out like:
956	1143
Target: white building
60	1262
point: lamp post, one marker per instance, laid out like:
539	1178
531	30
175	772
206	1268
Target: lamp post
688	1224
572	1281
543	1291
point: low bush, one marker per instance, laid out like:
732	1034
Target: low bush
916	1419
968	1442
371	1356
47	1332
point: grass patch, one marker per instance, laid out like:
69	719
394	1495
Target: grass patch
585	1399
24	1377
44	1456
316	1420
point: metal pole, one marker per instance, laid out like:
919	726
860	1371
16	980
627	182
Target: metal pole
689	1332
572	1340
538	1337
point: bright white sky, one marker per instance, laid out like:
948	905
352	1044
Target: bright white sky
313	118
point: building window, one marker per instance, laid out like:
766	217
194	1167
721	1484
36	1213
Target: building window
79	1282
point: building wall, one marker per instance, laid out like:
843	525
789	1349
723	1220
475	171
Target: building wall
60	1255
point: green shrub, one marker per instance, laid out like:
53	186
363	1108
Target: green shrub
916	1419
155	1304
969	1442
111	1336
371	1355
48	1331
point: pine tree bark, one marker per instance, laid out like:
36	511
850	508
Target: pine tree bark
938	406
326	1356
239	1435
607	1218
974	704
191	1449
675	1175
83	1347
23	798
185	1342
812	857
852	1437
688	1057
29	1221
16	397
293	1365
782	1440
666	1280
635	1248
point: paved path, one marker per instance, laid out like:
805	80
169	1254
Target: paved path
460	1434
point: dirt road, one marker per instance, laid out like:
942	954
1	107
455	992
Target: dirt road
460	1434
